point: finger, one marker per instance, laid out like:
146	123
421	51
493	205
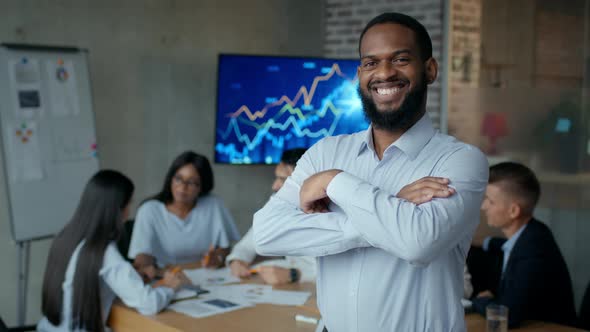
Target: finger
435	190
426	185
433	179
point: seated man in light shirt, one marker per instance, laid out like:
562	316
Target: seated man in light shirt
275	271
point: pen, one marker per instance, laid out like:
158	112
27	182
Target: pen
207	256
306	319
174	270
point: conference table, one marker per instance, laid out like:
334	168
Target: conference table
265	317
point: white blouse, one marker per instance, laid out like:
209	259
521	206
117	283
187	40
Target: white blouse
171	240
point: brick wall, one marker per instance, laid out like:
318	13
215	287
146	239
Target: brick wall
345	19
463	115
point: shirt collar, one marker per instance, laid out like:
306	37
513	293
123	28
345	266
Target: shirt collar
411	142
509	244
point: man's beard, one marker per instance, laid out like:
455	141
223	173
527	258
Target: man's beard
394	120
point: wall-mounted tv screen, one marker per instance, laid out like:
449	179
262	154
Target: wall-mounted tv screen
268	104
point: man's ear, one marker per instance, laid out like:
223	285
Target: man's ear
431	70
515	210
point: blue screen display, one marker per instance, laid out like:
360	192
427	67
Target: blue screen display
268	104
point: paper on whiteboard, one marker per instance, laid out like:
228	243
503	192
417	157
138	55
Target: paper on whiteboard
25	155
71	142
63	90
25	85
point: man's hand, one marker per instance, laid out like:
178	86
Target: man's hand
425	189
312	196
274	275
239	268
485	293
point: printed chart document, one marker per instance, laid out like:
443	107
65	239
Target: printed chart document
255	293
199	308
223	298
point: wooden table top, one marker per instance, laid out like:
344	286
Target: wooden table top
259	318
265	317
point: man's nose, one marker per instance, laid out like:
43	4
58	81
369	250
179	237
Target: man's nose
386	70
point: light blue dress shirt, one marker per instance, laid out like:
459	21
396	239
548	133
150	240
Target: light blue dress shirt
508	245
385	264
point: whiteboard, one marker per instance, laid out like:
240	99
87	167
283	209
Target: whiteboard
48	135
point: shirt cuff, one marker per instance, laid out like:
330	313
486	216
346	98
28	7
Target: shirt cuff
341	187
168	292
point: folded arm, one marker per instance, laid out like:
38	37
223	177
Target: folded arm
371	216
416	233
282	229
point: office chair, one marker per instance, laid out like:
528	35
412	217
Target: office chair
125	239
4	328
584	316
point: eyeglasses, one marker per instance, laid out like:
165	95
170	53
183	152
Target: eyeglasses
178	180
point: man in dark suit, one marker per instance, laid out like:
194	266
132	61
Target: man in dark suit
535	283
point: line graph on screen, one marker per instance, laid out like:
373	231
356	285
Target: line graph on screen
270	104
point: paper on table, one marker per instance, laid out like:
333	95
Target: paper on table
250	293
205	277
183	294
189	291
254	293
287	297
199	308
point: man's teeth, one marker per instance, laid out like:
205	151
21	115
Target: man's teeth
389	91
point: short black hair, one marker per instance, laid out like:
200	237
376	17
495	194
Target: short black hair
290	157
518	180
422	37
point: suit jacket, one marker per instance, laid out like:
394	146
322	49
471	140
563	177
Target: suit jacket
536	284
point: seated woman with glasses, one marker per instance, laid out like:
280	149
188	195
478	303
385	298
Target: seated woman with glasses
184	222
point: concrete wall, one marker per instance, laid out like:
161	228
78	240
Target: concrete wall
153	66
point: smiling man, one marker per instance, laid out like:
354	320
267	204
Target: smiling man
389	211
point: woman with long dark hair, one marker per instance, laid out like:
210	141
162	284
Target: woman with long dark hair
85	271
184	222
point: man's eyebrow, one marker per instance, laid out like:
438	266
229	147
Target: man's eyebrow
394	54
